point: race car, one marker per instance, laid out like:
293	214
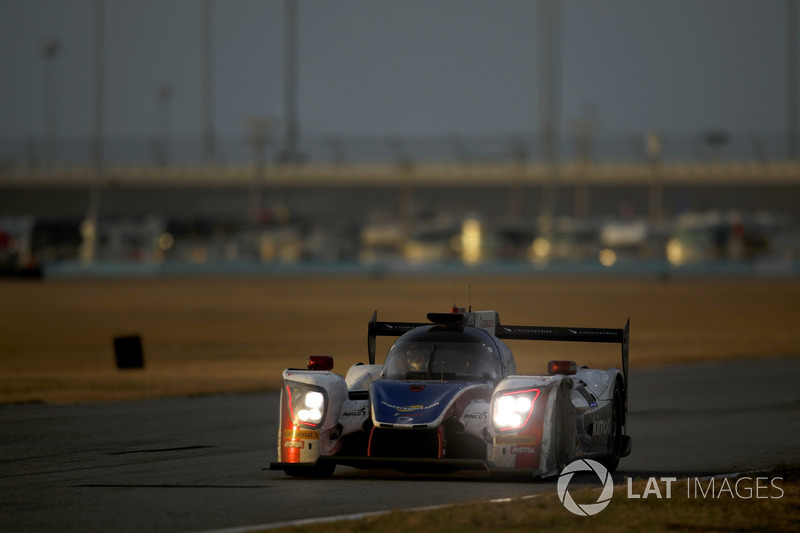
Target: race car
448	398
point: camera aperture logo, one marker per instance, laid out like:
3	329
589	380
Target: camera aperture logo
585	465
734	486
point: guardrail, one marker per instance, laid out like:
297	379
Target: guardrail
418	175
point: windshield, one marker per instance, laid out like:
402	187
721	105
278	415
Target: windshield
469	361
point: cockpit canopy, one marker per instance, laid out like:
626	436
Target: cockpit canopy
441	353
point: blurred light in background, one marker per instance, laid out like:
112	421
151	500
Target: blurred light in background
166	241
471	241
607	257
540	250
675	253
88	230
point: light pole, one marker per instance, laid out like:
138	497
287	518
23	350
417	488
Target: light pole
208	83
653	148
89	226
791	79
583	127
290	91
259	138
549	26
163	95
50	48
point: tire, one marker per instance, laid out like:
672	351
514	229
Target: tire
318	471
611	461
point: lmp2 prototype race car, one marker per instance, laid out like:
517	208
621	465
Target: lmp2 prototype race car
448	398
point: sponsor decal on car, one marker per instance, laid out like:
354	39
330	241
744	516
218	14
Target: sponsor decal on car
290	434
485	322
602	426
294	444
515	439
409	408
522	449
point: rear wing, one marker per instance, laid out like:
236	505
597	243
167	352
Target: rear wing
386	329
606	335
534	333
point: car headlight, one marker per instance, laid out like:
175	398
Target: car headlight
306	404
513	409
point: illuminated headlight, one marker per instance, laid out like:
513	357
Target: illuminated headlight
312	412
306	405
512	410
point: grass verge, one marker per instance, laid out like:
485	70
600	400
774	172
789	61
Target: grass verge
226	335
759	502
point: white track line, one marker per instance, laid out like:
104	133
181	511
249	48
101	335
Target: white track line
326	519
359	516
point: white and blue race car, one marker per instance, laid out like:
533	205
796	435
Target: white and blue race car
448	398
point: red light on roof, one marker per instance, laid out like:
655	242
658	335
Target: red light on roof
320	362
566	368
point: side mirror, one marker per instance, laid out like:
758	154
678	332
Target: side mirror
320	362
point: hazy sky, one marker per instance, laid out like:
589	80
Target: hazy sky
413	67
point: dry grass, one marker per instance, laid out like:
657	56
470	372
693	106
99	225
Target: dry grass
686	510
213	335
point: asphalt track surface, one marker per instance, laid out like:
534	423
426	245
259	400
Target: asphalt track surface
198	464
